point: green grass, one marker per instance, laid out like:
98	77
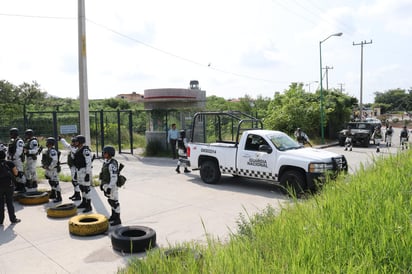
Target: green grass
360	223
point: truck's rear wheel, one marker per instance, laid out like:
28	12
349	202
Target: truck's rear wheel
210	172
293	182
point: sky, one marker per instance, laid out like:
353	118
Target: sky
233	48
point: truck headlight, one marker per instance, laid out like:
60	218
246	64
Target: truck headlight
319	167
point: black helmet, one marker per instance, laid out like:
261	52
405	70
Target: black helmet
14	132
182	134
74	139
110	150
29	132
81	139
50	141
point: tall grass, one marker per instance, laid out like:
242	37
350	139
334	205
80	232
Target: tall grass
360	223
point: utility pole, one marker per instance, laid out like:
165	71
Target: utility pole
341	87
326	75
361	75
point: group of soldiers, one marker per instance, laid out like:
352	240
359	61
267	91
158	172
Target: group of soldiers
378	136
24	154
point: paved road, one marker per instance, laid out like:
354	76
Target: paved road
179	207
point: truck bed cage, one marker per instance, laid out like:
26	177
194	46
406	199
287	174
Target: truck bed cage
238	117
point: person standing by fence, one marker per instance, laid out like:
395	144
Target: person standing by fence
31	150
16	155
83	164
172	136
70	162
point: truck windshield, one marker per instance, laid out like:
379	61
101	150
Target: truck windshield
283	142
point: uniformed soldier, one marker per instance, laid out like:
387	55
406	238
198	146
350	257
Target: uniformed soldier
181	151
404	138
16	155
377	137
108	177
50	162
83	164
70	162
31	150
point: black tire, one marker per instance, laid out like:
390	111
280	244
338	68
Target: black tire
133	239
210	172
62	211
34	198
88	224
293	182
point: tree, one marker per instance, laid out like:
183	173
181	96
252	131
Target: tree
394	99
297	108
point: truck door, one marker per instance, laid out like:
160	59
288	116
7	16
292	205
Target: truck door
254	163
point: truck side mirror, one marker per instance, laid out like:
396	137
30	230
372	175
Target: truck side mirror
265	148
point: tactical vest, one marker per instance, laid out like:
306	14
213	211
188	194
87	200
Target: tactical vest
378	134
27	147
105	173
70	160
404	133
181	144
46	160
79	159
300	138
13	147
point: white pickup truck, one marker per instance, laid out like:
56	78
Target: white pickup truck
256	153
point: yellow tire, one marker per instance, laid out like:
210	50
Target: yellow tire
88	224
62	211
34	198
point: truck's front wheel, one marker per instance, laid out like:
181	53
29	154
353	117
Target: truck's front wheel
210	172
293	182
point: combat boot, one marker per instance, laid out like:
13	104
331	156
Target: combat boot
53	194
178	169
58	197
76	196
82	204
88	206
112	216
186	170
116	220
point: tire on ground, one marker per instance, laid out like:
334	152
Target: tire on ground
133	239
88	224
62	211
34	198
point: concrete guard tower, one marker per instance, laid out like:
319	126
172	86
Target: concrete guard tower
172	105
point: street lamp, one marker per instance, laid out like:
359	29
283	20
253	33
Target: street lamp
322	112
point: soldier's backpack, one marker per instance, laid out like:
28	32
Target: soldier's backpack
121	180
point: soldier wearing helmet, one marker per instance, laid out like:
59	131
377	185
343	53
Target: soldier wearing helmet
377	137
108	177
50	162
31	149
16	155
404	137
301	137
70	162
83	163
181	151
